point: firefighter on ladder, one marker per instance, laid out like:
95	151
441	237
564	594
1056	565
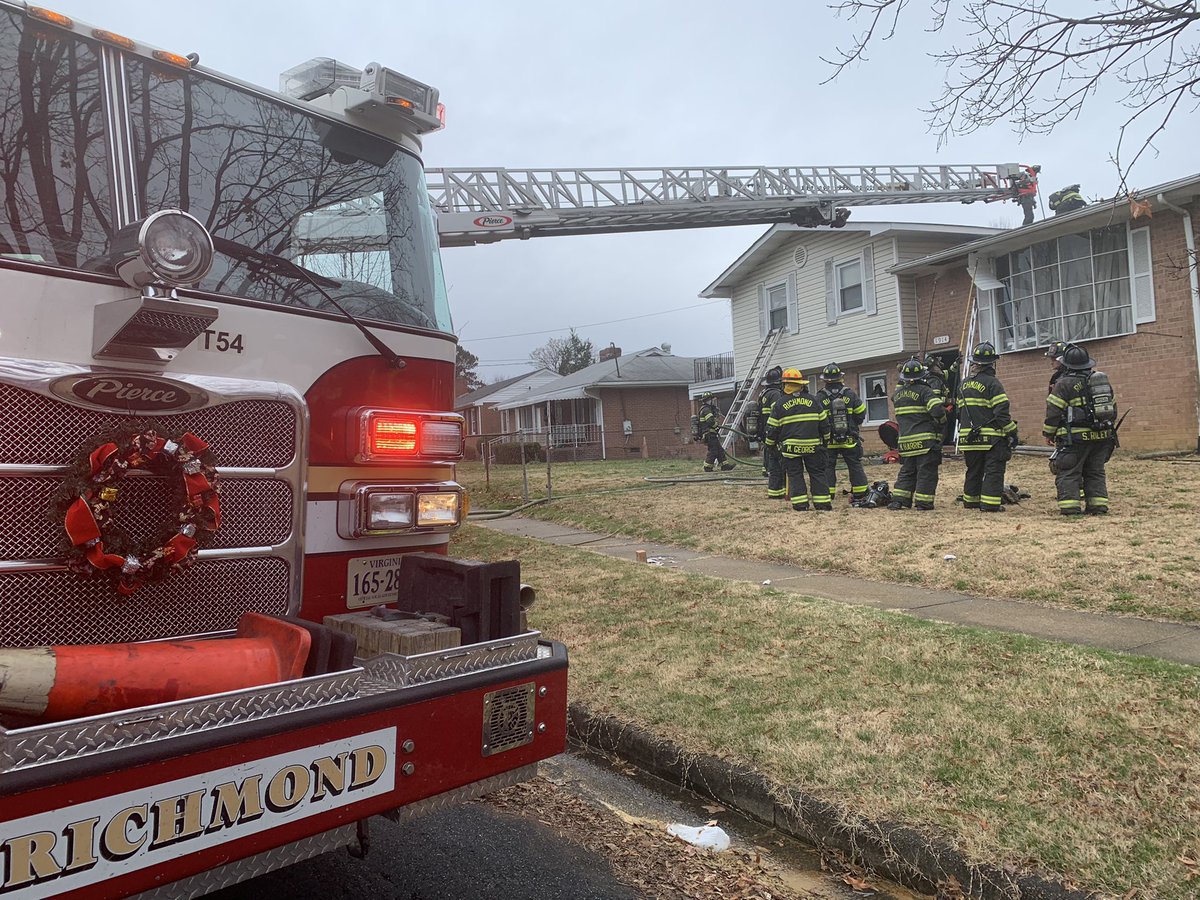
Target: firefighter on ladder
772	462
1024	187
846	414
987	433
709	434
921	415
799	428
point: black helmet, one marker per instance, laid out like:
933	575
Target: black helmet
984	354
913	370
1077	359
774	375
1055	350
832	372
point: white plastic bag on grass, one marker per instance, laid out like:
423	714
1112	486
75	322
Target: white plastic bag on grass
709	837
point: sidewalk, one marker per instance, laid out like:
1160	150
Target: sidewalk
1144	637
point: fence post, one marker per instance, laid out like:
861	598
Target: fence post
487	464
524	471
549	487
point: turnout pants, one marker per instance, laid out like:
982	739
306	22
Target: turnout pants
794	467
854	468
716	453
776	478
984	485
918	478
1081	469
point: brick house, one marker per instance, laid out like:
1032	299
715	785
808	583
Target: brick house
1121	287
479	407
613	409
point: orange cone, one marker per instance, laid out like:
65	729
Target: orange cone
67	682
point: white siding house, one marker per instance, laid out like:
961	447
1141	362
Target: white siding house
831	290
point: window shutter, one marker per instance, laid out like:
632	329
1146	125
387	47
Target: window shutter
830	299
1141	275
793	312
764	315
868	282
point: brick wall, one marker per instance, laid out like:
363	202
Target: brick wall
660	416
1153	371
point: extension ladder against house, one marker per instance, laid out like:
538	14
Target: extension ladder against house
747	394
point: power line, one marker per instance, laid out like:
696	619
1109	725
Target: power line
589	325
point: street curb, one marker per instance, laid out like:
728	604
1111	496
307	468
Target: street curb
901	853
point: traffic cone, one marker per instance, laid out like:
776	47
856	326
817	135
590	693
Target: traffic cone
67	682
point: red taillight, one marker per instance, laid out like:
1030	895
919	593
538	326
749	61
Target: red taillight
391	436
387	435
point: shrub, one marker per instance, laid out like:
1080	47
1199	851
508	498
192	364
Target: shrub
510	454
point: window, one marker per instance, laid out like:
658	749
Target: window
1074	288
849	287
777	312
874	392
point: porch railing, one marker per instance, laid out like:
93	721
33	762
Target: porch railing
713	368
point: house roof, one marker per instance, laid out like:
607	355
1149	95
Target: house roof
646	368
501	391
778	235
1104	212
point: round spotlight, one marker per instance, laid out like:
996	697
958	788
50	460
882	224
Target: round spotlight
169	246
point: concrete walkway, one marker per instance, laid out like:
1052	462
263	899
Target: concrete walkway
1144	637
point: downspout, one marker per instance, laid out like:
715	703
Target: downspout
1189	239
600	406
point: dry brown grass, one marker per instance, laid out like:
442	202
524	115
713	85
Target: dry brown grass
1023	752
1142	559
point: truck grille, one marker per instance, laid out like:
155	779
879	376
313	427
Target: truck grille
42	603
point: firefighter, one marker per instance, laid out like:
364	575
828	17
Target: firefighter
921	416
1024	188
941	380
1081	415
1054	352
846	413
799	428
987	433
707	428
772	462
1067	200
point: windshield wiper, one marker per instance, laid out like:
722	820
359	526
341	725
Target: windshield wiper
285	266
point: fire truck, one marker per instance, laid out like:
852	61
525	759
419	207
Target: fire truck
226	383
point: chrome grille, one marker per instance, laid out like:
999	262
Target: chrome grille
508	718
210	596
254	512
38	430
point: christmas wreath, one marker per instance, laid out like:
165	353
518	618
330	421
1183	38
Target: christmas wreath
84	504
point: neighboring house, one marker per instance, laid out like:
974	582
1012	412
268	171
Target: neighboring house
1124	288
831	291
478	408
611	409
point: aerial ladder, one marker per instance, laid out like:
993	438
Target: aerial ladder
477	206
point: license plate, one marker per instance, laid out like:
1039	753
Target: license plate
372	580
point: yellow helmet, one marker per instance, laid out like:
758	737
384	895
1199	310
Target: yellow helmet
793	375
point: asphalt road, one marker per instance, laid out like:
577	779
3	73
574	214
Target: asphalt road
469	853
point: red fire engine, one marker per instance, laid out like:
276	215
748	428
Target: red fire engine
226	376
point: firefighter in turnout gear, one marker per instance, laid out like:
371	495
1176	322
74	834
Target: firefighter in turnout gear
709	414
1081	415
1067	200
846	413
772	392
921	415
799	428
987	433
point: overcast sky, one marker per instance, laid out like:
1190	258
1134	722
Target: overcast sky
624	84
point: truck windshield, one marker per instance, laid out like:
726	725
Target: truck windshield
254	169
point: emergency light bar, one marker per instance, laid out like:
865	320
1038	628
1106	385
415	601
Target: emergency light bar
380	99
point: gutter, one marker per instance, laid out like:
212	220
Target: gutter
1189	237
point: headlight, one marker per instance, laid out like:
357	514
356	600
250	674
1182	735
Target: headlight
389	512
371	509
441	508
169	246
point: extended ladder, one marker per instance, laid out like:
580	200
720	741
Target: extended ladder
484	205
747	393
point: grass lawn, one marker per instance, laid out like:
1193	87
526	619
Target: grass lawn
1142	559
1023	752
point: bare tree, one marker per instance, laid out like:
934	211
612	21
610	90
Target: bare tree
564	355
1033	67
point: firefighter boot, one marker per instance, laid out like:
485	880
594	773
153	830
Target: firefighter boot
726	466
707	468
